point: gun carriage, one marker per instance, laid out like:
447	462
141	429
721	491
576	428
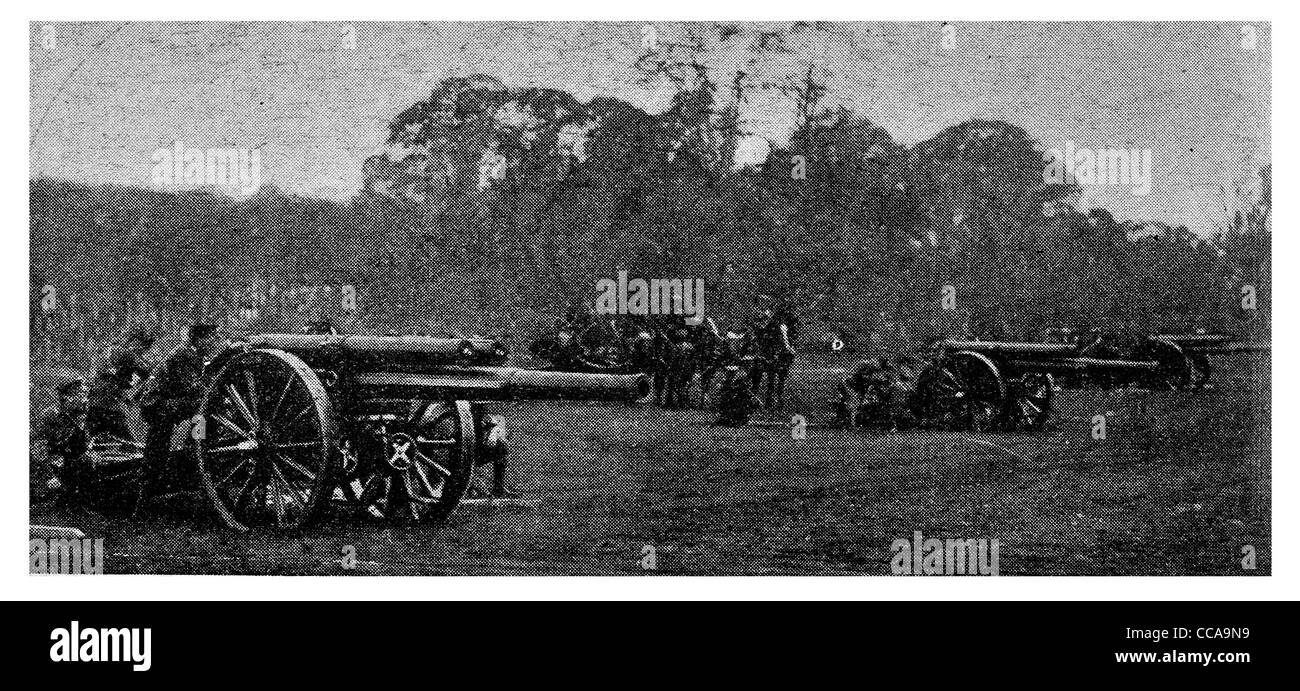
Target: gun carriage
1000	385
1013	386
391	425
1200	348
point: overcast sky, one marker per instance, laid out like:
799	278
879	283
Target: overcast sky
108	95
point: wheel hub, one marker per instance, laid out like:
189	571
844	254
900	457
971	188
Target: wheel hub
401	451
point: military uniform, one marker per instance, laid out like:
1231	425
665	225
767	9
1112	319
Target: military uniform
108	401
773	354
680	358
60	442
736	400
171	396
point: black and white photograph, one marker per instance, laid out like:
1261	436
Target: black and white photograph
650	298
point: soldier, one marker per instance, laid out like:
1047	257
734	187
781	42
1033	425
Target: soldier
681	358
774	353
713	352
108	394
495	451
171	396
858	392
585	325
640	344
880	392
60	441
736	399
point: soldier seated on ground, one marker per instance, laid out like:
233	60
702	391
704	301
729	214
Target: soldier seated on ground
858	392
736	398
60	442
879	393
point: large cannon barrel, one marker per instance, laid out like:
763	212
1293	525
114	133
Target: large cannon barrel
1005	347
1214	343
1186	340
1084	364
1225	347
500	384
399	353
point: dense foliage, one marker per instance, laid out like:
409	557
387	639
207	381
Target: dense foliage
495	207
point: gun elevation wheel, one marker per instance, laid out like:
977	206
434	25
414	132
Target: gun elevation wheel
266	441
418	471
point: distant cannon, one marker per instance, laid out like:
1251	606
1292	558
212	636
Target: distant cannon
1200	347
393	425
1001	385
1010	386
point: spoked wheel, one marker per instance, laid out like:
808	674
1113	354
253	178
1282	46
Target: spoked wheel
1029	405
267	442
422	468
968	392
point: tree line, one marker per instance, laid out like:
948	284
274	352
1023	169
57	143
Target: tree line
495	207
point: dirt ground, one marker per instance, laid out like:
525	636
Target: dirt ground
1180	485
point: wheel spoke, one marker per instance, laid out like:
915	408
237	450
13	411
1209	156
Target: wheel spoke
432	463
299	445
277	497
234	470
279	402
298	415
436	442
374	490
428	494
299	496
228	424
243	447
252	394
238	400
296	466
238	497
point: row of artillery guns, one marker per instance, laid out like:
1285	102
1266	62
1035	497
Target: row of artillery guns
1012	386
391	426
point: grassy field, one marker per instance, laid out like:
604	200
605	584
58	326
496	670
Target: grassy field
1180	484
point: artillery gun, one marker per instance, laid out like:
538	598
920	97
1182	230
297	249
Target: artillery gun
597	348
1200	347
1000	385
391	425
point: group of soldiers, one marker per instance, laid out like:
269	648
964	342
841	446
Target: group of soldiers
881	392
167	394
752	362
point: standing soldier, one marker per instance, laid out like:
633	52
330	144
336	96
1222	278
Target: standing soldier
713	352
774	352
495	451
108	393
171	396
60	441
681	356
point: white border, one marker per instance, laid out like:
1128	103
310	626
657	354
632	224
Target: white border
17	584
